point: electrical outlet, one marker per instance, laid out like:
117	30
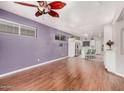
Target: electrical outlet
38	59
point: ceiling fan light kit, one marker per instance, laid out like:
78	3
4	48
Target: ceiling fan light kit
44	8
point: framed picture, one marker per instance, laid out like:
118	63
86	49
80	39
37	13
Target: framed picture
60	37
63	38
56	37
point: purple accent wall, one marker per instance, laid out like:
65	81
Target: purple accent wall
18	52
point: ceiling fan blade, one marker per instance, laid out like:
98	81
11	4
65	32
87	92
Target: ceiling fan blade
57	5
26	4
53	13
38	14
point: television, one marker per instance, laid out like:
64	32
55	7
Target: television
86	43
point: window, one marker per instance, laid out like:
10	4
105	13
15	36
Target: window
7	27
86	43
27	31
14	28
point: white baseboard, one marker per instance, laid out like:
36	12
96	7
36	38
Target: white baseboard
116	73
121	75
30	67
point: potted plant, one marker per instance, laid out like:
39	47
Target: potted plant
110	43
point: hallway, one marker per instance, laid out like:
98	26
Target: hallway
67	74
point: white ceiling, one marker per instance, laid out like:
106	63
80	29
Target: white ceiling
77	17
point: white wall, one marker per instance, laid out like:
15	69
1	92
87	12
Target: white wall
99	43
113	32
117	39
107	35
109	55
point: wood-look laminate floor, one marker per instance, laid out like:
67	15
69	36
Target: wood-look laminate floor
67	74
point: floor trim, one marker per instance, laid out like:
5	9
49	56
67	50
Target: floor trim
30	67
121	75
115	73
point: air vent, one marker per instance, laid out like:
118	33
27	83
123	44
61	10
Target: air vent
7	27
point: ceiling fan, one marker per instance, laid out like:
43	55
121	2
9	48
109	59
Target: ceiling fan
44	8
